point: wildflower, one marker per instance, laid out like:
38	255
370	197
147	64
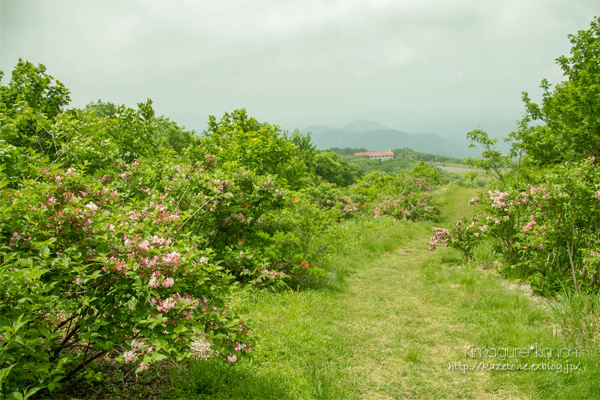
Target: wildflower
304	264
172	257
242	240
129	356
239	347
441	235
296	200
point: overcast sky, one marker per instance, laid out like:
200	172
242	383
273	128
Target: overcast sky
299	63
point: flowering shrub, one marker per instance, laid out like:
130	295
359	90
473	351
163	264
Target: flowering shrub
542	211
84	274
548	230
112	244
329	197
414	207
123	235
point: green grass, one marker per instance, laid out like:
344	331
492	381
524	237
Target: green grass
388	323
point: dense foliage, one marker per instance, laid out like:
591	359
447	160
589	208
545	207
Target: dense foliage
124	236
542	209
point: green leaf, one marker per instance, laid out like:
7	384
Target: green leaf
4	373
17	395
33	391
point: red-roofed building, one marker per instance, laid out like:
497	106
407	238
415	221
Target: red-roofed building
377	155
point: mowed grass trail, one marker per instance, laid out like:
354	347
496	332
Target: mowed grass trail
387	326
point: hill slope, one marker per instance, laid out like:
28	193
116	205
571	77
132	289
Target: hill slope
380	140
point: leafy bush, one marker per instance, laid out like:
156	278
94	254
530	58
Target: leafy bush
122	235
542	210
85	273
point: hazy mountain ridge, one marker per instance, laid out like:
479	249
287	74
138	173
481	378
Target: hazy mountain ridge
371	135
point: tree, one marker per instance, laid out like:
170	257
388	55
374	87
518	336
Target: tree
571	111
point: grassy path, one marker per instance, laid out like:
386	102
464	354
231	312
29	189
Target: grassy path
388	328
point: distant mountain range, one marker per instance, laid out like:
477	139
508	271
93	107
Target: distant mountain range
377	137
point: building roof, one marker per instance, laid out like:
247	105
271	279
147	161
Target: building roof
375	153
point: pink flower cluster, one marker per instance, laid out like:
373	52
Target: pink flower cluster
441	235
137	349
499	199
211	160
530	225
265	273
117	263
176	301
157	278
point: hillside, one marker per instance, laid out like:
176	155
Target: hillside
377	137
380	140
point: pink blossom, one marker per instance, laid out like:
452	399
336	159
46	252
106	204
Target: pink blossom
239	347
441	235
92	206
167	304
169	282
144	245
231	359
79	281
171	257
498	198
154	279
144	367
129	356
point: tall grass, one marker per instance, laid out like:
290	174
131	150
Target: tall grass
578	316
